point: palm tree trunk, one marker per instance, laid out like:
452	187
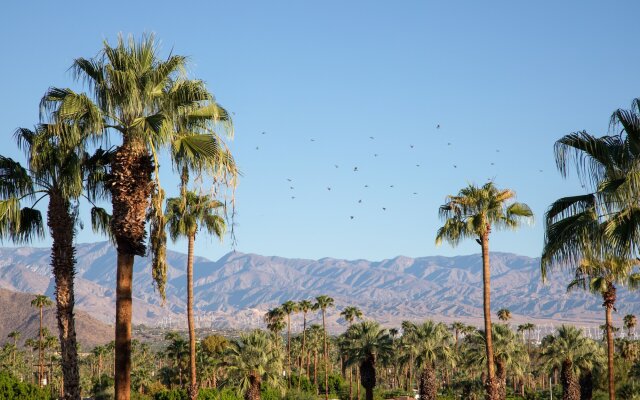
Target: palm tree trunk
302	352
427	389
130	186
570	387
253	392
609	298
586	385
368	376
193	386
491	384
350	383
288	350
61	226
40	355
326	360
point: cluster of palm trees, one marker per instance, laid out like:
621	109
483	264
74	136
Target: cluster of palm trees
144	105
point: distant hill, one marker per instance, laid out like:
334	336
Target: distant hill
234	291
17	314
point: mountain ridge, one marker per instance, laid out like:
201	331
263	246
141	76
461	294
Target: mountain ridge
235	290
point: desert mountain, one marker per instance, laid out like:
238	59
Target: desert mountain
234	291
16	313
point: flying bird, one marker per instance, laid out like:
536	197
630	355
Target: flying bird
291	187
359	201
417	165
366	186
329	188
390	185
313	140
289	179
438	126
455	166
411	146
257	147
336	165
448	143
384	208
371	137
263	132
293	197
351	217
355	169
375	155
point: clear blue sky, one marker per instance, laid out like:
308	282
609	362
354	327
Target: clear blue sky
503	79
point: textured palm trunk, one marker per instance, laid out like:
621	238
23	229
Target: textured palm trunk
61	223
130	186
586	385
315	368
501	379
193	385
253	392
288	350
609	298
350	383
570	387
491	385
427	389
368	376
40	354
326	360
302	352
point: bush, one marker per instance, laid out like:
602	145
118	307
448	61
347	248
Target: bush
11	388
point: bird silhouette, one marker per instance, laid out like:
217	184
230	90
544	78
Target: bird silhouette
438	126
411	146
359	201
371	137
336	165
351	217
263	132
415	192
291	187
355	169
384	208
313	140
366	186
417	165
492	163
391	186
455	166
448	143
540	170
293	197
375	155
257	147
289	179
329	188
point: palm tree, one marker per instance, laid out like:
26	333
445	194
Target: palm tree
289	307
15	335
432	343
57	171
504	314
509	354
563	351
350	314
322	303
474	212
274	319
630	322
141	100
215	346
304	306
99	352
527	327
185	216
600	276
255	358
602	224
368	344
41	301
178	351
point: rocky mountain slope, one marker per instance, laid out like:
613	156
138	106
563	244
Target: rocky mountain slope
234	291
17	314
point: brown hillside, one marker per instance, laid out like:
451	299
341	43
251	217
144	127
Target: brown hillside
16	313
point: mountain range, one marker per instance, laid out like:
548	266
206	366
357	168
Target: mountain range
235	291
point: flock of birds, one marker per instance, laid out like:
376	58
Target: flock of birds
355	170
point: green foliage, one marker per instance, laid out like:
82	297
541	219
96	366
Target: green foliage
102	388
11	388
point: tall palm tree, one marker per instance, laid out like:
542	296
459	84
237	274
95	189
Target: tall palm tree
562	351
289	307
304	306
368	345
433	345
322	303
138	100
41	301
527	327
600	276
255	358
504	314
186	216
630	322
509	354
350	313
57	171
15	335
474	212
604	223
